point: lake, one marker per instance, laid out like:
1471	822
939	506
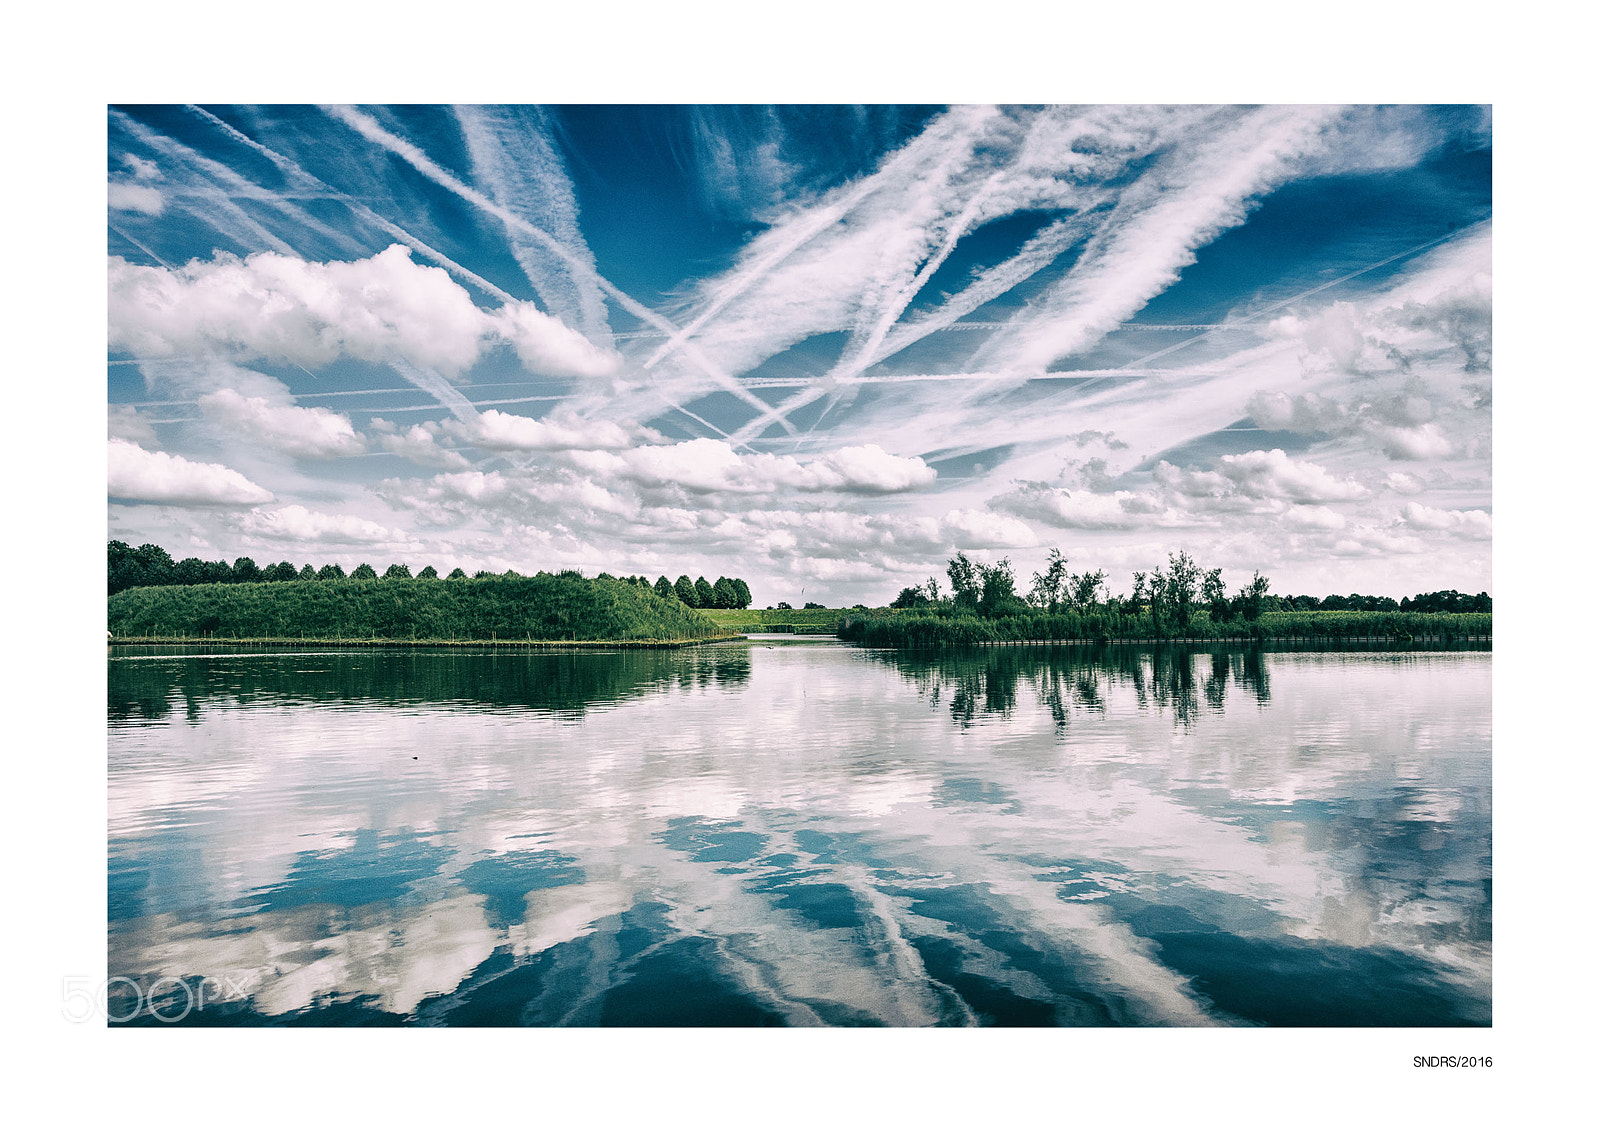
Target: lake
793	832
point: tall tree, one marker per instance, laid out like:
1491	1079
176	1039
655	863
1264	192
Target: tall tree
399	570
1214	596
725	595
663	587
1252	598
1049	587
427	573
684	589
363	572
704	594
1182	587
333	571
997	596
743	593
306	573
245	569
1083	591
457	574
964	584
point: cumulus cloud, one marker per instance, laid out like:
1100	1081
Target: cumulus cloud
1273	475
125	196
419	444
156	477
706	466
382	309
295	523
1472	524
1424	442
1082	510
316	433
508	432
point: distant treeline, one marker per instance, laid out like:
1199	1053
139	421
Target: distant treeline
129	567
1172	596
1181	600
545	607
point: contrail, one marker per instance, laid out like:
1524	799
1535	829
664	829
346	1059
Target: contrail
369	128
295	171
142	248
220	175
798	236
1249	323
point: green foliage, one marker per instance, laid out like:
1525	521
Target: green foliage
1050	587
427	573
685	590
306	573
332	572
398	570
363	572
705	596
911	597
939	625
965	588
457	574
545	607
245	569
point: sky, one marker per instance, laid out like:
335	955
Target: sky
821	348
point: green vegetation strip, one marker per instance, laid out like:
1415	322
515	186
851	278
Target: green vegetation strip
915	628
547	609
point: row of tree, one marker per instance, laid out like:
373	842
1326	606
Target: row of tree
724	593
128	567
1172	596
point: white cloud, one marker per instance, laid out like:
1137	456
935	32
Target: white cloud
385	308
295	523
316	433
705	466
1273	475
1472	524
417	444
508	432
1084	510
156	477
142	169
1313	518
125	196
124	423
1425	442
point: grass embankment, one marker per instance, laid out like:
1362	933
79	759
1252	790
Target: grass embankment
548	607
914	628
811	621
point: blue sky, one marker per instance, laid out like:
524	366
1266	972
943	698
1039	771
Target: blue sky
820	348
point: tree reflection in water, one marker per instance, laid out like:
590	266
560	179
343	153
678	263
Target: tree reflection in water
1068	679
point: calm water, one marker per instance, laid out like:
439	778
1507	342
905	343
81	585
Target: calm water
790	833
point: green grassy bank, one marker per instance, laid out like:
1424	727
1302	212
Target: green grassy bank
916	628
812	621
546	607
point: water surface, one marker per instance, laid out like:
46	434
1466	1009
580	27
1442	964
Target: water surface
800	833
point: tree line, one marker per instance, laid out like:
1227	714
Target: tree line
129	567
1170	596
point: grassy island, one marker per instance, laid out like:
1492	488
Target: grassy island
554	608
